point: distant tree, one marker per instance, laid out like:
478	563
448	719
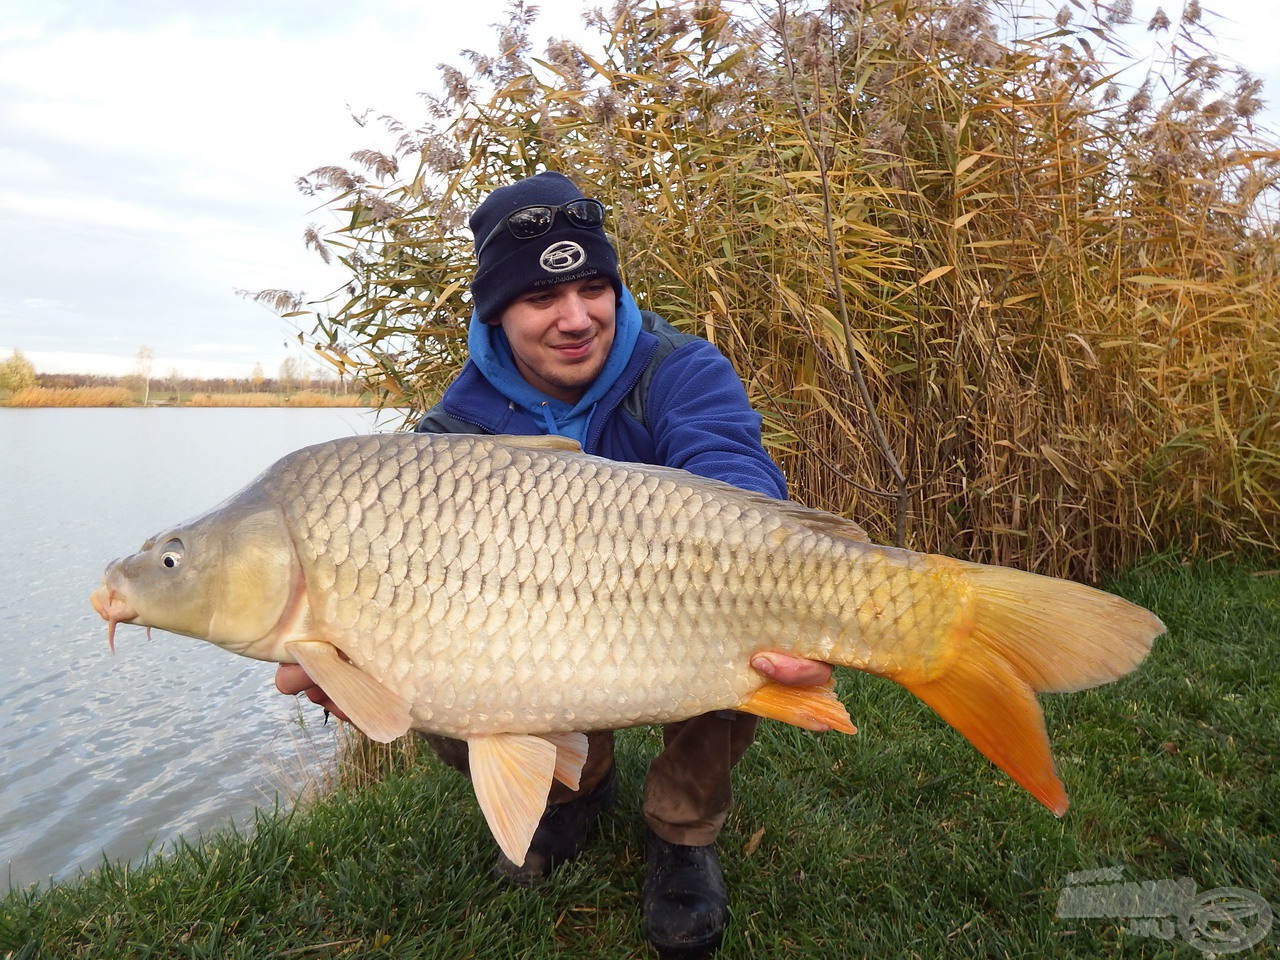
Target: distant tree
17	373
145	357
292	374
257	377
324	378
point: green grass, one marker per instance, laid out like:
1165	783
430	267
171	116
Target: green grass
899	842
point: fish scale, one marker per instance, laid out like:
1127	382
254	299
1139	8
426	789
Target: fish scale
514	592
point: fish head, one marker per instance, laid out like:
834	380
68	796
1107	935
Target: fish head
230	577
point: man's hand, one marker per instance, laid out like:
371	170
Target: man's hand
292	679
793	671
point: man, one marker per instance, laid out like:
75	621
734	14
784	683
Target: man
559	346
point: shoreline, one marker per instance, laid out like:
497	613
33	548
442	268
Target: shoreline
115	397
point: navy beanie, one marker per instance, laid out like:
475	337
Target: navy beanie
510	267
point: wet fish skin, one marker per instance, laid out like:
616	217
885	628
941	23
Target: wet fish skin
512	590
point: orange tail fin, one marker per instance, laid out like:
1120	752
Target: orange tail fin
984	698
1028	634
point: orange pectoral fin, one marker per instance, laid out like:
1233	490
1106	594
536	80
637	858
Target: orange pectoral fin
813	708
983	697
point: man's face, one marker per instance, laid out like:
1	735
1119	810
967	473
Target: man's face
561	335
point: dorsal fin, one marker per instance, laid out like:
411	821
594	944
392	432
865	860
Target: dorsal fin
548	441
827	523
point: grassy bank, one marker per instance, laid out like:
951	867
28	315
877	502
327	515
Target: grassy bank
900	842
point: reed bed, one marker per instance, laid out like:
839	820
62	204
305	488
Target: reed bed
70	397
990	302
313	398
233	400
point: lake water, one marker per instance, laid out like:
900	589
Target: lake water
171	737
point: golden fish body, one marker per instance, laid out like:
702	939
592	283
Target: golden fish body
512	592
500	589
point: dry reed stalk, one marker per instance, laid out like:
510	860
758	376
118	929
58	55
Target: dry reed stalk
234	400
314	398
1065	309
71	397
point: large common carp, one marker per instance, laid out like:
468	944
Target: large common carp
513	592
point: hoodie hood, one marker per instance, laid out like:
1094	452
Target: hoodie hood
491	354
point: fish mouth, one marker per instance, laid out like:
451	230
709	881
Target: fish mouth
113	608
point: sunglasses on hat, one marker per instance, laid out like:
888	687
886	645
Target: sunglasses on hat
533	221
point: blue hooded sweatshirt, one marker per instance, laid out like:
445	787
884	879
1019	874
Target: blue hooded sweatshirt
663	397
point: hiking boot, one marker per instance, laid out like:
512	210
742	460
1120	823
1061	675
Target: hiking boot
560	833
686	905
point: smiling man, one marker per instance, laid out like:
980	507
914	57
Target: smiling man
560	336
558	346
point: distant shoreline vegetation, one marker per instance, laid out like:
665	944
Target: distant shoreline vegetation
82	390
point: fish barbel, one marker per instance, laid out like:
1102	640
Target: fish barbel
514	592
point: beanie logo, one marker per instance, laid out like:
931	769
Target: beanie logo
562	256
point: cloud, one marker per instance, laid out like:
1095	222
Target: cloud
152	152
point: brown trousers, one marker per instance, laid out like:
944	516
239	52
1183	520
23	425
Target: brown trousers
687	793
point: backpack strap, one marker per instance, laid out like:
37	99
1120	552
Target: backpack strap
436	420
669	340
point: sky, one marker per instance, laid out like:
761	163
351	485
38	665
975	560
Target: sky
149	151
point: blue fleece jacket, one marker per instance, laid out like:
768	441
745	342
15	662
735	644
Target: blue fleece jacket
689	411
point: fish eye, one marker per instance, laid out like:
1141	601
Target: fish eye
171	557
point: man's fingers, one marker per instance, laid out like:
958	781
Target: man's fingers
321	699
793	671
291	678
